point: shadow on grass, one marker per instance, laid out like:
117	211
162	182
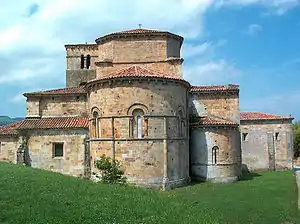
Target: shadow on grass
249	176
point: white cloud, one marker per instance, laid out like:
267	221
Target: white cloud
18	98
33	47
277	7
254	29
211	72
282	104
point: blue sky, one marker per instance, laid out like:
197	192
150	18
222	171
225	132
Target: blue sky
254	43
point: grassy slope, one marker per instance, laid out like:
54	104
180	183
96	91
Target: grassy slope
33	196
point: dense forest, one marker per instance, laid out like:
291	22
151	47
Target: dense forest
4	120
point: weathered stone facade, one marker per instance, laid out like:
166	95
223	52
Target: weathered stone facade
126	98
8	146
40	145
267	144
162	143
215	146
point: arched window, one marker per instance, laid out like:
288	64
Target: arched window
82	61
95	124
181	123
88	61
137	127
215	150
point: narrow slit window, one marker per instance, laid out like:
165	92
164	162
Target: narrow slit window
245	136
137	127
277	136
95	124
82	61
214	154
88	61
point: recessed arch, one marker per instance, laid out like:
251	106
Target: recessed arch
95	122
95	109
214	154
137	106
181	121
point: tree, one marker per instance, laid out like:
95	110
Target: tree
111	171
296	131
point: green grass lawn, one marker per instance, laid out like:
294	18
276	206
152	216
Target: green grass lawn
30	195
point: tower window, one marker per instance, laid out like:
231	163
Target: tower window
82	61
215	150
245	136
88	61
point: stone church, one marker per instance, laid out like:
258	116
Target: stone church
126	97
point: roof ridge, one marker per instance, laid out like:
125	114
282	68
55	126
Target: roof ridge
262	116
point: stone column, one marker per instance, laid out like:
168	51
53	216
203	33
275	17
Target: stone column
87	158
23	156
165	151
271	150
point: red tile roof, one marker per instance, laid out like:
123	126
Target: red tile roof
246	116
10	129
211	121
229	87
141	31
64	91
55	123
138	72
135	32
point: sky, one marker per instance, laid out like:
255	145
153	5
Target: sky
253	43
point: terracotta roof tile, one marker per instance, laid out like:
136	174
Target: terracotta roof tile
134	32
141	31
55	123
138	72
229	87
246	116
64	91
211	121
10	129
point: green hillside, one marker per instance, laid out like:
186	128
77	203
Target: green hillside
30	195
4	120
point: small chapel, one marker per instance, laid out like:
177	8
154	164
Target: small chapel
126	97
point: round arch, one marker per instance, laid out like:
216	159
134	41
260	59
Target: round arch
137	106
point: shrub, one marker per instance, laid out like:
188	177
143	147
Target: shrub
110	170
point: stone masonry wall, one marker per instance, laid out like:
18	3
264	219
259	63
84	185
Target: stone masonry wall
63	106
166	67
221	105
139	49
173	48
150	52
74	53
142	159
261	150
228	161
32	107
8	148
74	73
76	77
40	146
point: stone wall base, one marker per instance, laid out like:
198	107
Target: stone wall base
159	183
